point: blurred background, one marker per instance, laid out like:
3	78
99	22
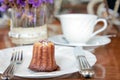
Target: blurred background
108	9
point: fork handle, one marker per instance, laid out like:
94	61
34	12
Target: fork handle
8	73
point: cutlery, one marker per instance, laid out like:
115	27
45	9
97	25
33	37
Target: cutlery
85	68
66	41
16	58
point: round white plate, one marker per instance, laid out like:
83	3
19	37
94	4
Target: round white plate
93	42
64	56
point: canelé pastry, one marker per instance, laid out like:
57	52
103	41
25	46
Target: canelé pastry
43	58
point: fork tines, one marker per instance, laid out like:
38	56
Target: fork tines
8	72
84	64
17	56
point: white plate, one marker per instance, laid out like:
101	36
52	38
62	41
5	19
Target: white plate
95	41
64	56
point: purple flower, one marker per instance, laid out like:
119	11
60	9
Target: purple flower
30	1
1	1
21	2
3	8
35	3
50	1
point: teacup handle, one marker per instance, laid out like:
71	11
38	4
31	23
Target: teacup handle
101	29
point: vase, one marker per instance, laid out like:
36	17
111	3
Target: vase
28	25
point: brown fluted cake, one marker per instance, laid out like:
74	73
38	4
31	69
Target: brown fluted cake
43	58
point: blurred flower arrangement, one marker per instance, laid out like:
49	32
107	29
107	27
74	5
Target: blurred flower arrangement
27	13
29	19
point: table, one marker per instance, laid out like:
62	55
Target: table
108	58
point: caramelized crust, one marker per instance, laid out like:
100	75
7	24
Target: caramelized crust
43	58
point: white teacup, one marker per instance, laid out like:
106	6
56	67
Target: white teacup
79	28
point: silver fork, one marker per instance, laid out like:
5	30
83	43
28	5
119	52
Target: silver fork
85	68
16	58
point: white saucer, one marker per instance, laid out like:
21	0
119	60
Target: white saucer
64	56
94	42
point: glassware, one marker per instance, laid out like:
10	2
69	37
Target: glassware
28	23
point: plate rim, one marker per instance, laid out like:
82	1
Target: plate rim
83	45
